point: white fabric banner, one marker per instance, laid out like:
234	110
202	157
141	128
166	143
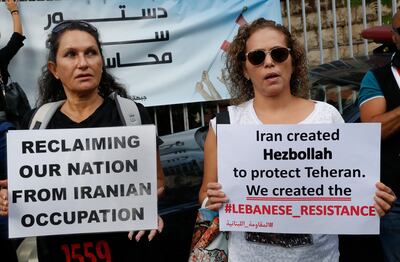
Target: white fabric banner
163	51
81	180
299	178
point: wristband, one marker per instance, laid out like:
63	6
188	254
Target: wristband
14	11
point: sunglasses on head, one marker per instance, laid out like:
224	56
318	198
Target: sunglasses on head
278	54
67	24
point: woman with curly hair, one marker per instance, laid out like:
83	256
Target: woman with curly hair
267	77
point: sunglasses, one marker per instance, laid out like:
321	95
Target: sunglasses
278	54
70	23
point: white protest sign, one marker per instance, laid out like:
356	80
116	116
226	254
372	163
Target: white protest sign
299	178
145	42
65	181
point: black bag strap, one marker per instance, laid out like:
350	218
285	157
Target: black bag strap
223	117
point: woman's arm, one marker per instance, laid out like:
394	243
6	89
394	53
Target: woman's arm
16	40
160	190
13	8
210	188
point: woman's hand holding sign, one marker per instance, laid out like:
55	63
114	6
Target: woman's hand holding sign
153	232
384	199
215	197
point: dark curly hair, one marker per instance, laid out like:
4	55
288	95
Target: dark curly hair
240	88
50	88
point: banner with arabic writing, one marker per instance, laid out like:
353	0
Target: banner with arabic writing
163	51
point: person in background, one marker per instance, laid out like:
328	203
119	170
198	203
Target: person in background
75	71
14	44
379	101
267	76
6	54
